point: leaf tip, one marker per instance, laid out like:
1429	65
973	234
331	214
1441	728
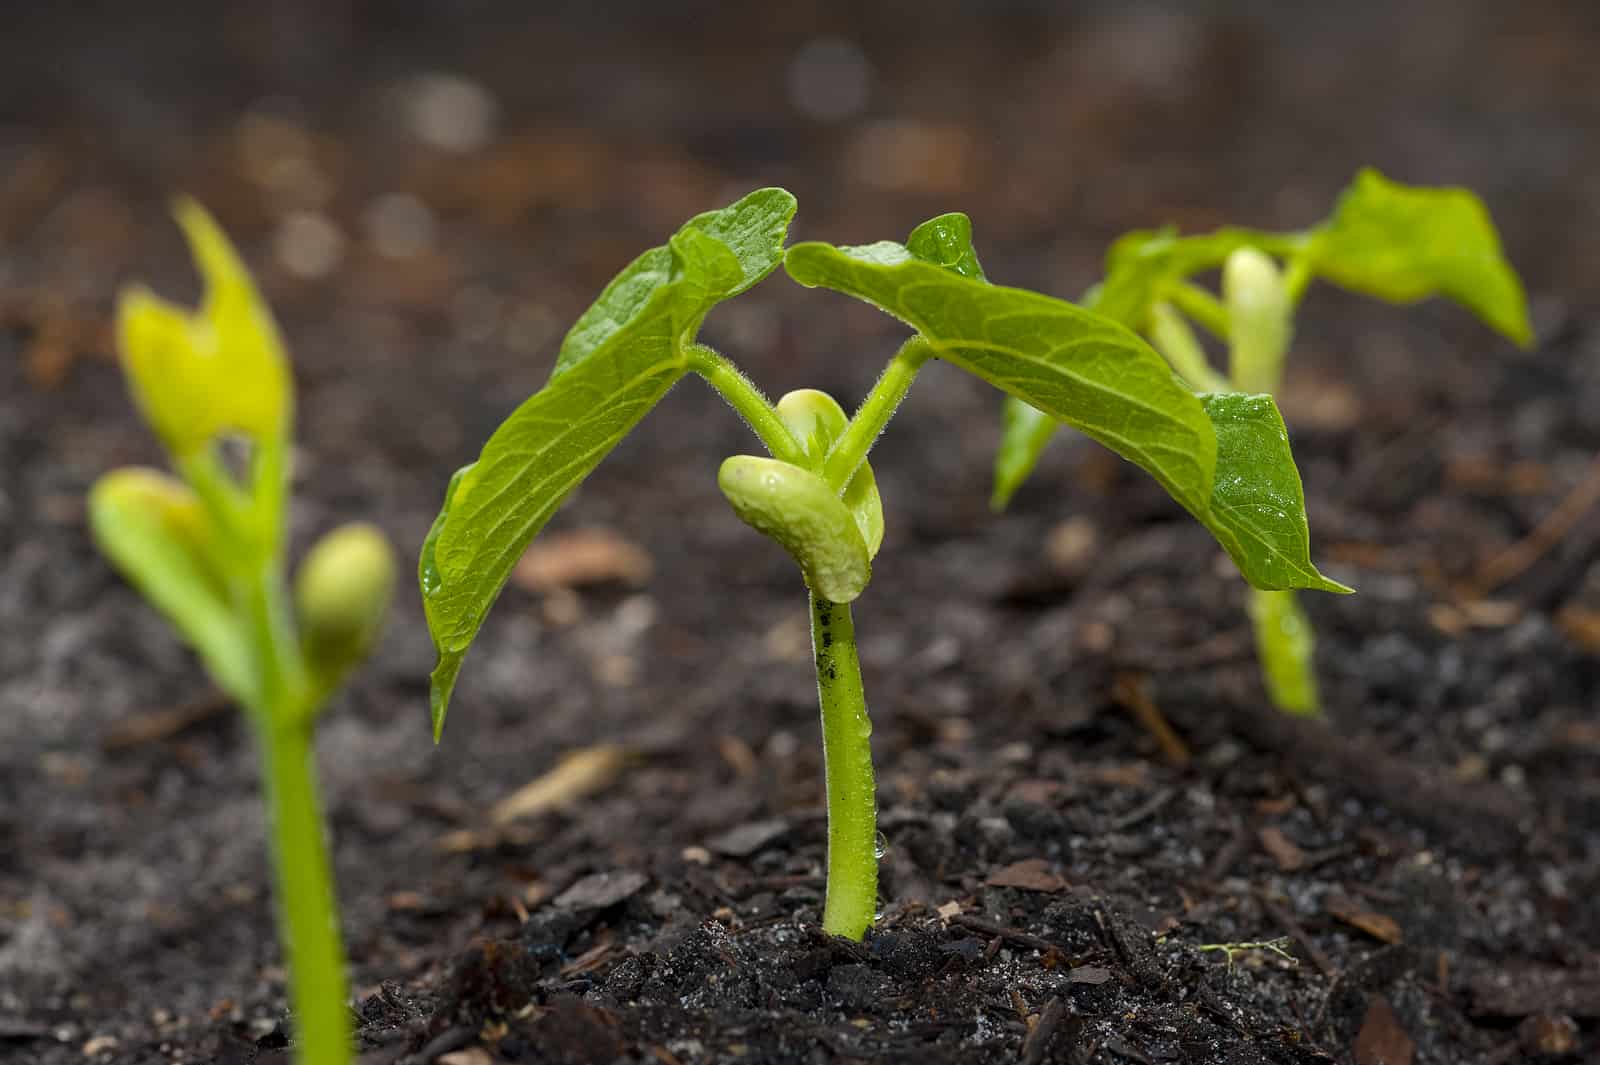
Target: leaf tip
440	686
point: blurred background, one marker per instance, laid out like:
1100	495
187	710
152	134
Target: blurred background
431	192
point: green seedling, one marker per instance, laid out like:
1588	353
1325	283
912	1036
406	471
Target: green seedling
1225	458
206	547
1386	240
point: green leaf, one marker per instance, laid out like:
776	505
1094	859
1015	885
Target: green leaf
622	357
947	241
752	229
1222	461
797	509
158	535
1024	432
1403	244
1258	508
1286	647
1075	366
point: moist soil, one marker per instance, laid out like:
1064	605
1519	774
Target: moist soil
1100	844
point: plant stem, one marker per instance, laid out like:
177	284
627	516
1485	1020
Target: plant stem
743	396
852	898
1202	306
850	450
307	913
1286	649
1172	337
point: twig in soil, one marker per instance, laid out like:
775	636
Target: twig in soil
163	724
1039	1036
1013	935
1277	946
1142	811
578	775
1299	934
1129	692
1514	560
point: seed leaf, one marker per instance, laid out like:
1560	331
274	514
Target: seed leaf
1095	375
1403	244
159	537
624	354
796	508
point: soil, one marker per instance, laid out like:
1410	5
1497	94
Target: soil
1082	792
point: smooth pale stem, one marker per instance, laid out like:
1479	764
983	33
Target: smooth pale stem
850	450
852	898
1173	338
307	911
1202	306
746	399
1286	649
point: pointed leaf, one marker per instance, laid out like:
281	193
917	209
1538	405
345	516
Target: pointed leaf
1075	366
947	241
157	534
624	355
1229	466
1258	508
752	229
1403	244
1024	432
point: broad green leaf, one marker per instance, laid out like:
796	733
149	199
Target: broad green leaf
157	534
218	370
1286	646
797	509
1075	366
1091	373
1258	508
1403	244
752	229
816	420
623	361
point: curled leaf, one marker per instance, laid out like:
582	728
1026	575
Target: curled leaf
221	369
797	509
159	536
1259	320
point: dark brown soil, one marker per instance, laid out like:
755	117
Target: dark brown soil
1426	862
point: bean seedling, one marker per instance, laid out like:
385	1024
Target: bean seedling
207	549
1224	457
1387	240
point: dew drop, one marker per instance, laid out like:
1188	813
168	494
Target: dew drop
880	846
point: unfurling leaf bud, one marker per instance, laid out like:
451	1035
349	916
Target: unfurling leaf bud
1258	320
796	508
219	370
342	593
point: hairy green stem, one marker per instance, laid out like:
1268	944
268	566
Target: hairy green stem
850	450
308	915
746	399
852	897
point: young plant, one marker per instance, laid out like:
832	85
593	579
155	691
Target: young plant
1225	458
1387	240
207	549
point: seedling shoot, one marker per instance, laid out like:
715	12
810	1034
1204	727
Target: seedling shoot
206	547
1224	457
